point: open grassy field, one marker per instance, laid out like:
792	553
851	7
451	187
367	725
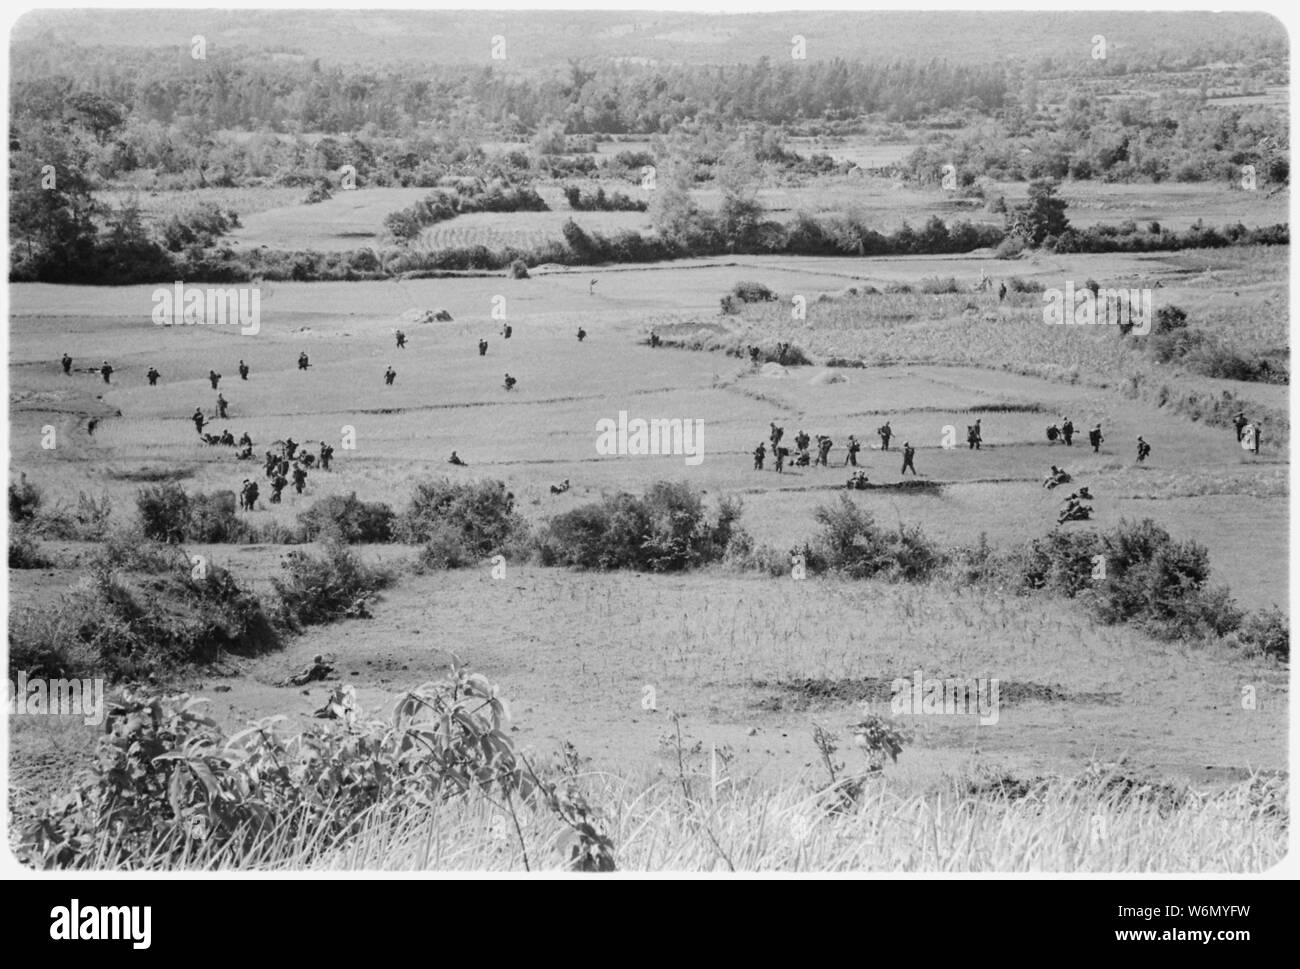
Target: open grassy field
278	218
575	651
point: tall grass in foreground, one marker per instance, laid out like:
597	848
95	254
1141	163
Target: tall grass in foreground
1060	826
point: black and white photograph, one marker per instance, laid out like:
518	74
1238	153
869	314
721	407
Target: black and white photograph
579	443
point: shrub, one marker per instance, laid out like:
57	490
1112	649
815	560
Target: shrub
24	553
667	530
1060	563
129	625
164	512
519	269
851	543
347	519
752	293
1269	632
316	590
212	518
1169	318
480	516
1159	583
166	780
24	500
934	285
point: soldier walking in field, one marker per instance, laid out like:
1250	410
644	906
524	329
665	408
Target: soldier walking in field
1095	439
510	382
106	371
775	434
781	452
153	376
885	432
389	376
482	348
326	455
1067	431
854	448
401	340
214	378
909	453
277	486
1143	450
221	406
582	334
824	444
243	370
303	362
1239	422
973	435
801	441
760	453
67	365
198	419
299	478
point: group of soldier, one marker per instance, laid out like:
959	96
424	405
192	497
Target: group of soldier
804	454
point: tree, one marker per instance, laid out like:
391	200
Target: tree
1043	215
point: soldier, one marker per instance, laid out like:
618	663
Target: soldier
510	382
326	455
854	448
303	363
1053	432
775	434
973	438
1067	431
1240	422
401	340
245	453
243	496
753	355
290	447
1095	439
801	441
214	378
482	348
455	459
654	339
1143	450
823	449
803	459
221	406
506	331
277	486
153	376
67	364
243	370
389	376
781	452
271	462
245	440
760	454
885	432
106	372
251	496
582	334
282	467
198	419
1002	291
909	453
227	439
299	479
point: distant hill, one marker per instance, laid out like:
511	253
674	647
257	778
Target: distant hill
547	39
